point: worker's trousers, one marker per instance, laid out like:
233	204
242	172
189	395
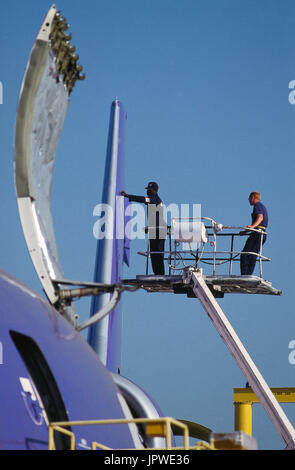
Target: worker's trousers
157	258
247	261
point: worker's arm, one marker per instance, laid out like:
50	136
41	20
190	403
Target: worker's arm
256	222
133	198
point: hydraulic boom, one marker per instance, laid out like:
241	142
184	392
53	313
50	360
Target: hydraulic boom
195	279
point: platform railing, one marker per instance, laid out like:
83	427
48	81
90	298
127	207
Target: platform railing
154	427
161	427
214	257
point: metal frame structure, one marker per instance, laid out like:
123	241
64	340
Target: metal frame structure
244	398
212	257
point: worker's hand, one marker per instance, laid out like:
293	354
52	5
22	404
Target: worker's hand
123	194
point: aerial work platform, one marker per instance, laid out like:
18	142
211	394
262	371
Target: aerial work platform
219	285
194	244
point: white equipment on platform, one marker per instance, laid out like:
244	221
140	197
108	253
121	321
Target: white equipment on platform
189	231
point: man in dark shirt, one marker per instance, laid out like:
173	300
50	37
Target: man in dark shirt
156	229
253	243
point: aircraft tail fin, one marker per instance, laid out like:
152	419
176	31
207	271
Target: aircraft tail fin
113	247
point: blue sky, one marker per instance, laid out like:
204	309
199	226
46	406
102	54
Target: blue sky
205	87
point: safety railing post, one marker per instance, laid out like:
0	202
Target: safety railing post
231	255
214	253
260	253
170	247
147	258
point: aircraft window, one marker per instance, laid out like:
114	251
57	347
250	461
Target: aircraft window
44	382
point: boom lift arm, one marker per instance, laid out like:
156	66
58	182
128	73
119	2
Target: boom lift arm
194	278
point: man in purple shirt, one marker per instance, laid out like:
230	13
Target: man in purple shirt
253	243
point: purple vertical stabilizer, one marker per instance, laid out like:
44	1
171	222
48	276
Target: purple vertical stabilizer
113	248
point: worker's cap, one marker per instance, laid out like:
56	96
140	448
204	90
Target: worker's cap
152	185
